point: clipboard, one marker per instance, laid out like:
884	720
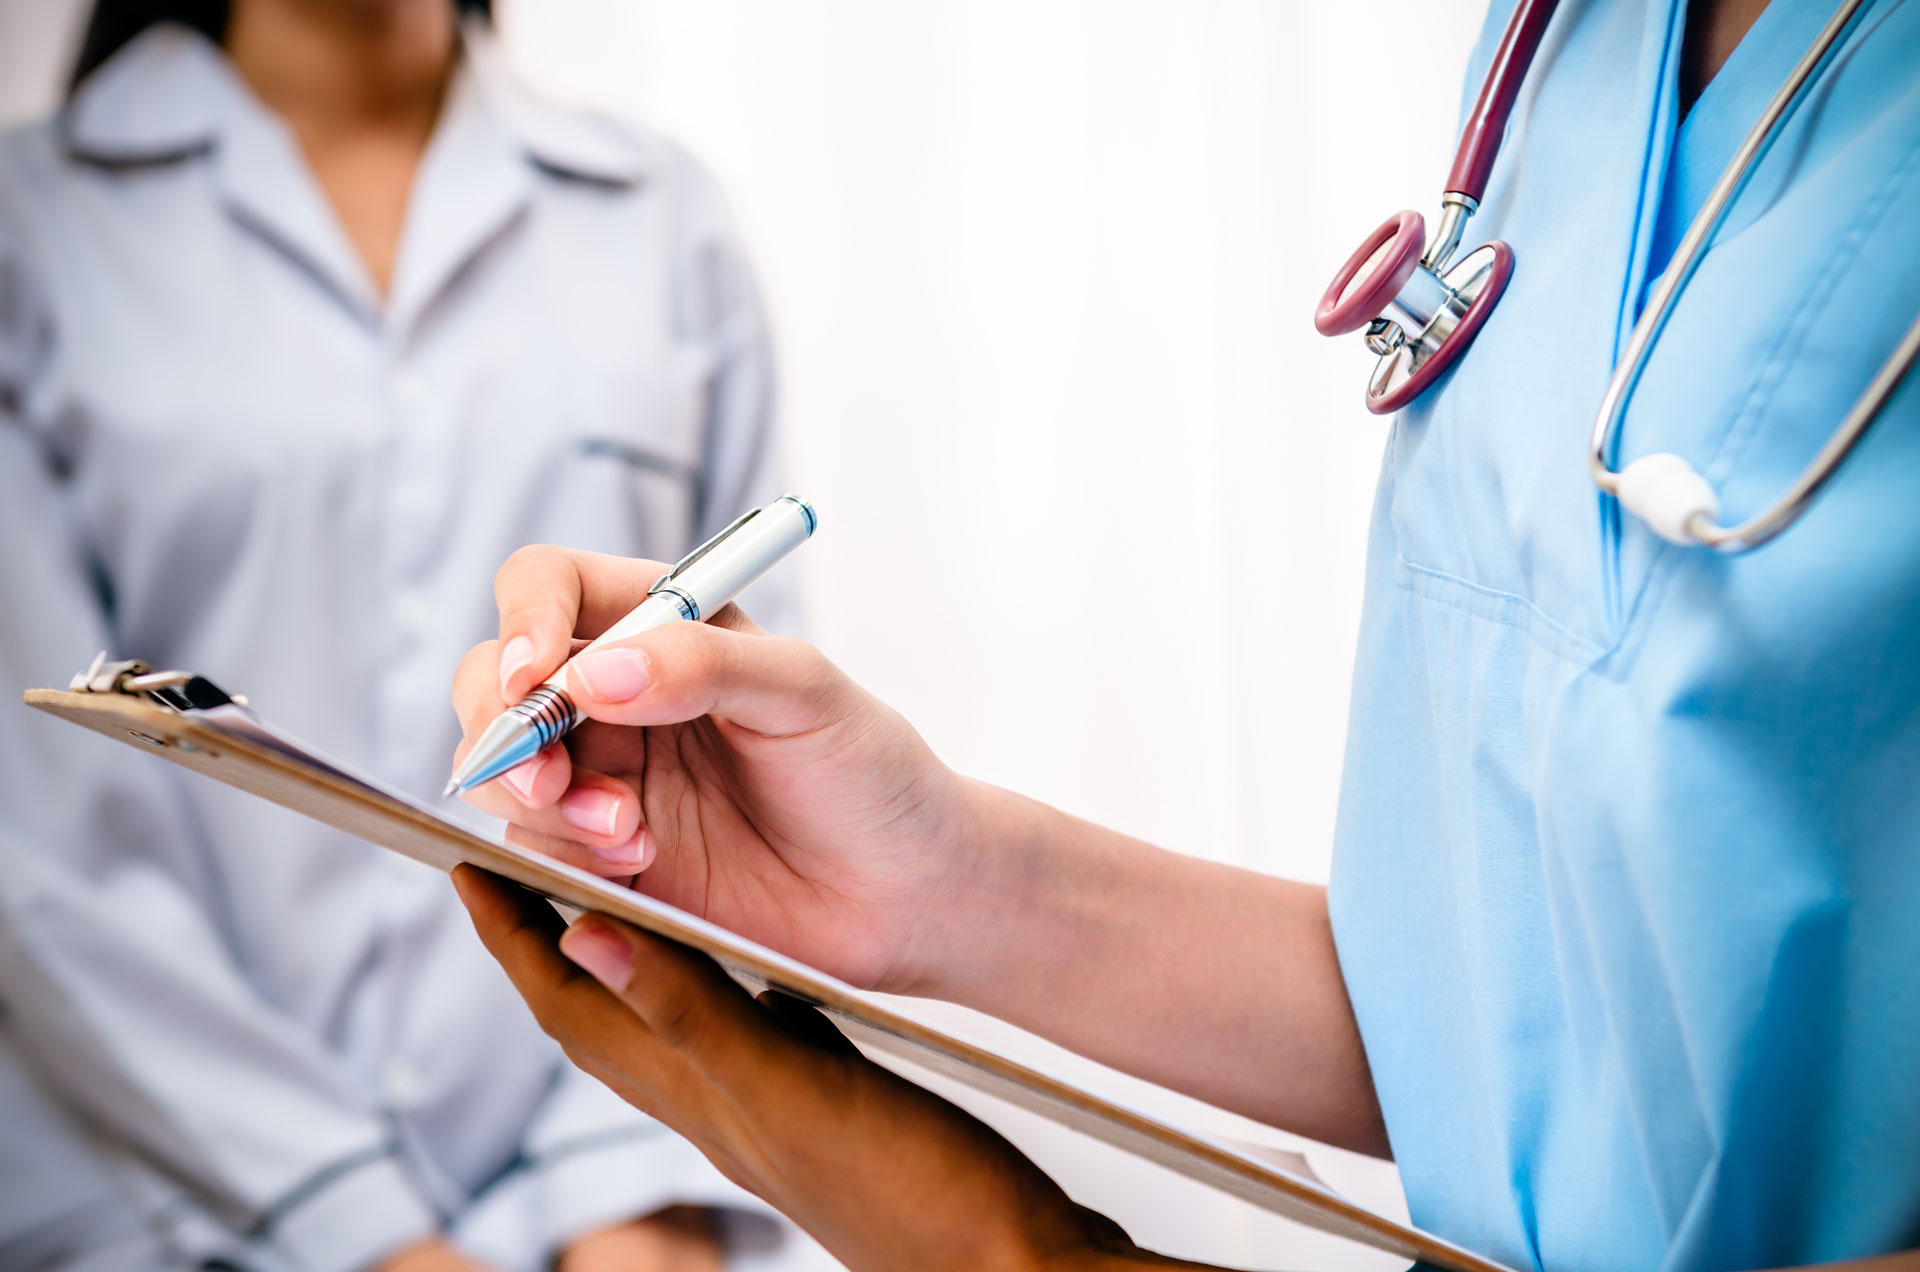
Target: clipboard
190	721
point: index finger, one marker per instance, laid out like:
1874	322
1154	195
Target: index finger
549	595
522	933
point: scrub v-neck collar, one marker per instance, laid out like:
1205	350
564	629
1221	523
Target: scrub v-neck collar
1726	110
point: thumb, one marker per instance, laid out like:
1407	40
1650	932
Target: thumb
774	685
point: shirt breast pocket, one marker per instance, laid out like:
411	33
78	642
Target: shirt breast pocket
629	472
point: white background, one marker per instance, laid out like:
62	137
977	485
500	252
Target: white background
1093	493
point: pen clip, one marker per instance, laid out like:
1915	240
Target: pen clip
180	690
662	584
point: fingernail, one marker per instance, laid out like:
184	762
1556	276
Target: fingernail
603	952
514	655
649	849
611	675
520	780
628	855
593	810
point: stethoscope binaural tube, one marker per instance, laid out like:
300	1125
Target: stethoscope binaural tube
1664	490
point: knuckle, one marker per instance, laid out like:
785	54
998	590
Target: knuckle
683	654
528	554
549	1011
815	675
531	558
476	661
554	1021
724	653
675	1017
807	657
473	679
566	1010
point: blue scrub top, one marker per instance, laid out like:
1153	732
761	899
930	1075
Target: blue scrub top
1627	884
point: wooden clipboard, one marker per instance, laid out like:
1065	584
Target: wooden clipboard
219	737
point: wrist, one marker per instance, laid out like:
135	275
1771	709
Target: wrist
992	913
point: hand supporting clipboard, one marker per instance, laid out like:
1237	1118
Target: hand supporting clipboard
192	722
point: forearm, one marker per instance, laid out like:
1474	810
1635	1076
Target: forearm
1217	982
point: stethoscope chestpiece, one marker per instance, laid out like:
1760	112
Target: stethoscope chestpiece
1419	313
1419	308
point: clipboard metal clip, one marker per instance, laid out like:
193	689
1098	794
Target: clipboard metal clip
177	690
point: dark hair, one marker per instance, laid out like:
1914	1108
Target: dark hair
115	22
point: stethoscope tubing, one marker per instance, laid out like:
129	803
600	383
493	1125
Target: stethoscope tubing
1758	529
1687	257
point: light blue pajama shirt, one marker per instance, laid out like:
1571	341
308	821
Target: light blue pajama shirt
221	450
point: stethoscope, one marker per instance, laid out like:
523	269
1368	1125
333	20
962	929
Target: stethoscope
1420	309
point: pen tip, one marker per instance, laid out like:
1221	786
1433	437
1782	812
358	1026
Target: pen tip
453	787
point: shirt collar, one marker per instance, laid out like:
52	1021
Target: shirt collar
163	96
171	93
566	140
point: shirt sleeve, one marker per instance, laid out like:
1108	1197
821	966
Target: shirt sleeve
114	970
589	1161
61	1207
720	306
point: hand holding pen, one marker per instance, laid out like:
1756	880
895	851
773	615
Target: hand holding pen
745	779
704	582
740	776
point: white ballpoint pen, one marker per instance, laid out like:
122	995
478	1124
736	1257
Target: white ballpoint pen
697	588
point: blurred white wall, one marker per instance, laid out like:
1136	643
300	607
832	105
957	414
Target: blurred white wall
1093	493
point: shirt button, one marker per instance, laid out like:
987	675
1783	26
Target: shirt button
403	1084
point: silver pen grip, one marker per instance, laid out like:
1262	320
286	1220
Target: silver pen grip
548	713
516	735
